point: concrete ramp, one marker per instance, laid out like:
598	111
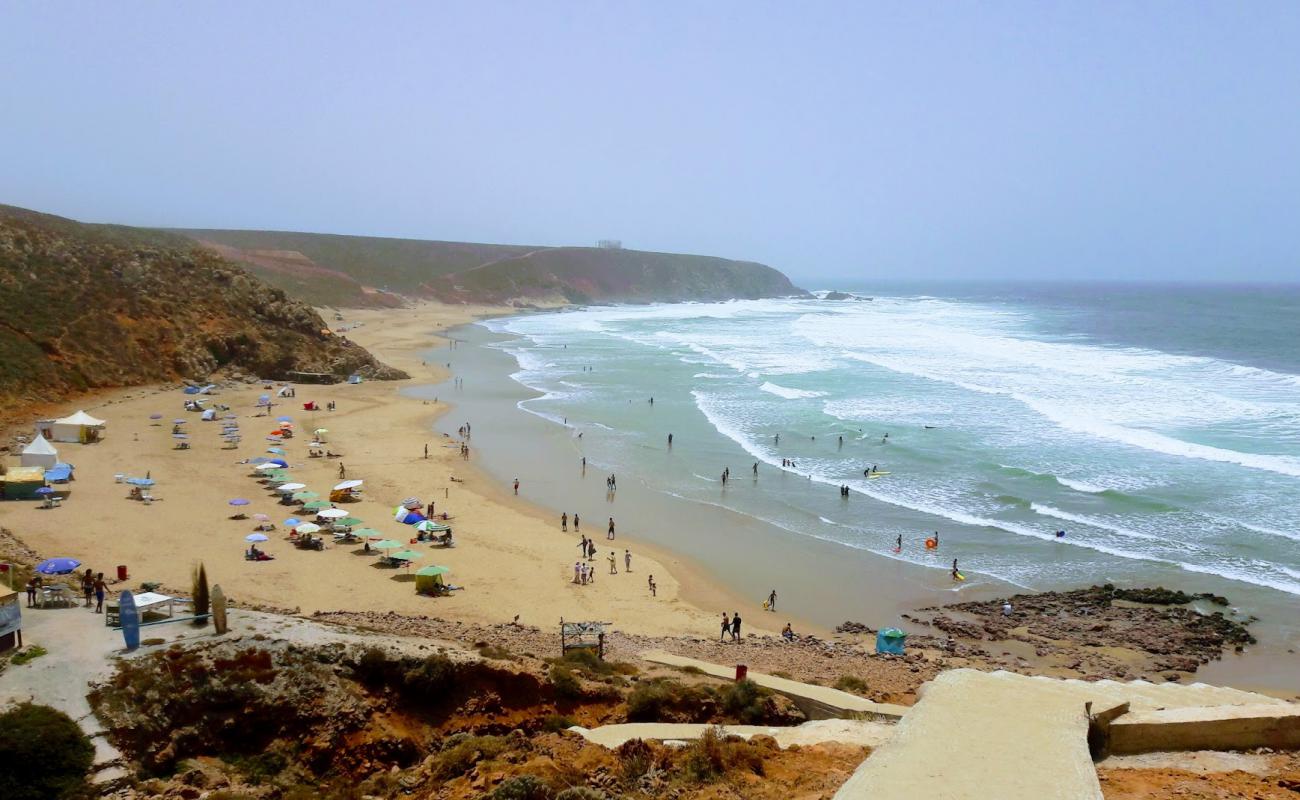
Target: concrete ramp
976	735
816	702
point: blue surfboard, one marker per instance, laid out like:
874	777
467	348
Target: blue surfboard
129	617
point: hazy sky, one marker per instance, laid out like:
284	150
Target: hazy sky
908	140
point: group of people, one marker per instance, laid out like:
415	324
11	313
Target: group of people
93	586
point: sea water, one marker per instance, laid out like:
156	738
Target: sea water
1158	427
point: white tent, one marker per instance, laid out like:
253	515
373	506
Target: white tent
40	453
80	427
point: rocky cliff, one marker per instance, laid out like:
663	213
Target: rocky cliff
327	269
91	306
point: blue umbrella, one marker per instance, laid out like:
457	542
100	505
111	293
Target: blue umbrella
279	451
140	481
57	566
279	461
179	421
292	522
284	419
239	501
255	537
45	490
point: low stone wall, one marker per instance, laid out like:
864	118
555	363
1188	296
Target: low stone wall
1213	728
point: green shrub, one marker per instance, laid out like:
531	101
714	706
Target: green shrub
557	722
430	679
522	787
851	683
565	682
581	793
664	699
745	700
461	753
43	754
29	653
494	652
712	755
373	667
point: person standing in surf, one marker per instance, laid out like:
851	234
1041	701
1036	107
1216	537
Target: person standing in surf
956	574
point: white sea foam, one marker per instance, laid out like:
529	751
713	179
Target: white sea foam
1079	486
1081	519
788	393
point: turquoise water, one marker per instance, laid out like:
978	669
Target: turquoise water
1159	427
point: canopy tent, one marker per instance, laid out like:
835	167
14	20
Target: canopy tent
80	427
428	580
40	453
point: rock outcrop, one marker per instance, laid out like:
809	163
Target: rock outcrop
95	306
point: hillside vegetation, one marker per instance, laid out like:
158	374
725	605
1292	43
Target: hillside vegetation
327	269
90	306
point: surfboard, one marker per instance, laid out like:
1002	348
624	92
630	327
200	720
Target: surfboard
879	474
218	601
961	577
129	617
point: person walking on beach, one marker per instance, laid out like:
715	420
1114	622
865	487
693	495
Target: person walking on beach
735	627
343	471
613	563
755	469
771	600
653	588
564	521
100	587
591	549
610	534
726	627
426	449
88	586
627	560
898	544
33	586
576	521
577	572
582	546
516	487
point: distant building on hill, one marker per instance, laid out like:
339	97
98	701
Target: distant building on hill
610	244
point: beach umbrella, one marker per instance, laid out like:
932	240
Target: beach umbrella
279	451
239	501
284	419
347	485
369	533
432	569
57	566
292	522
179	421
45	490
429	525
261	518
388	544
290	487
316	505
308	527
332	513
406	555
140	481
279	462
305	495
155	416
321	430
276	475
351	522
255	537
268	465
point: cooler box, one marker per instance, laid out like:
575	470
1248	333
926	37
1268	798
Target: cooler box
890	640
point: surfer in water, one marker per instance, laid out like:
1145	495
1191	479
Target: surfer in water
956	574
898	544
884	439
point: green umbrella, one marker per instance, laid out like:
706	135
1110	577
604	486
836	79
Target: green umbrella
316	505
366	532
433	569
277	475
387	544
351	522
306	496
407	555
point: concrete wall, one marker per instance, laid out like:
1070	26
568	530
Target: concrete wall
1213	728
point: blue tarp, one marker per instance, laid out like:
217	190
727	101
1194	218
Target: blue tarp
890	640
59	473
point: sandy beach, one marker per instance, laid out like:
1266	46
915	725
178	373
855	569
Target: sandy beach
510	557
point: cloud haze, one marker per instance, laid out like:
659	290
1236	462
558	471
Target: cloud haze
1067	140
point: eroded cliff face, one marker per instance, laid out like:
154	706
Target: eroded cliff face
85	307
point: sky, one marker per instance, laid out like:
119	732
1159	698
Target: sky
848	141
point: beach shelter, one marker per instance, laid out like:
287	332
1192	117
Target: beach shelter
320	434
21	483
891	640
208	415
80	427
427	579
40	453
406	516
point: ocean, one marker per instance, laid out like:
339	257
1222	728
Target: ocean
1158	427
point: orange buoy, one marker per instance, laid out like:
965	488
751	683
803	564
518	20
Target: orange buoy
931	544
